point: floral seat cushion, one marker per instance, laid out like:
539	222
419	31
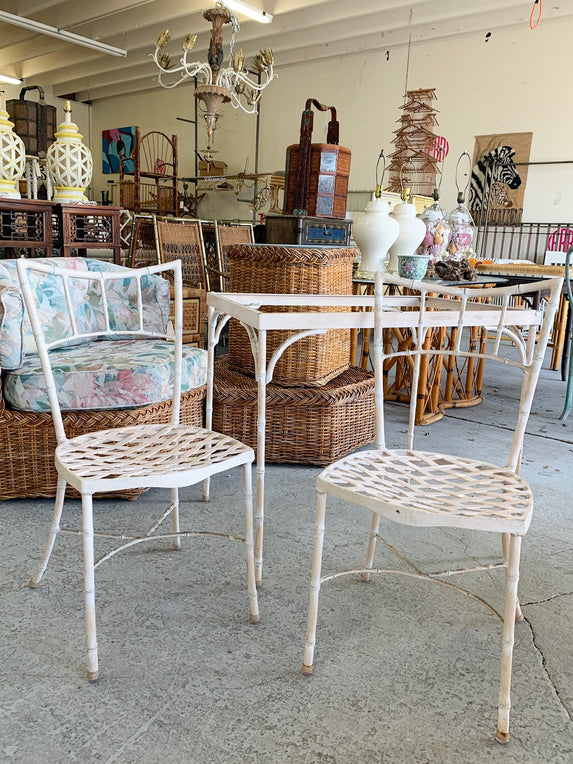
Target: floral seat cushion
16	336
136	373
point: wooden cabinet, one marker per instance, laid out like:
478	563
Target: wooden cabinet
293	229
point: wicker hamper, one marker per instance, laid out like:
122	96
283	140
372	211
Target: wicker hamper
313	425
28	441
281	269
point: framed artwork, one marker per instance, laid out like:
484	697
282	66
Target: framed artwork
117	146
499	175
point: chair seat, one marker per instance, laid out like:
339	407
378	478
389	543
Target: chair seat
160	455
429	489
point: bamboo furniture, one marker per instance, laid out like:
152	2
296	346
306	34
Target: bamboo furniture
446	381
426	489
43	226
569	392
169	455
227	234
153	189
301	315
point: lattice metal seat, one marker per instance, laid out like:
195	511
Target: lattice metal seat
163	455
421	488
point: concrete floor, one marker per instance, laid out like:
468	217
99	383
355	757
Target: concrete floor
404	672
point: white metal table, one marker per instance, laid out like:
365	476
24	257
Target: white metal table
246	308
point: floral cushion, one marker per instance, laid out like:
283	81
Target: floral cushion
16	336
105	374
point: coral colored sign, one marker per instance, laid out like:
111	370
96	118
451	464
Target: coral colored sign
438	148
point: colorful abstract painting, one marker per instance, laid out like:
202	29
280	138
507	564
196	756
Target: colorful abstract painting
117	146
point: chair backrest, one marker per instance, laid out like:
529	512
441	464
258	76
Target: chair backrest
227	234
142	243
109	325
559	241
181	239
423	307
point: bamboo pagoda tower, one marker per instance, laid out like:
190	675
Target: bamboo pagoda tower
413	165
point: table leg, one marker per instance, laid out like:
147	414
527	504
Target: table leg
261	425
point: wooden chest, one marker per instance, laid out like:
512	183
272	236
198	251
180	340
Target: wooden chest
329	172
35	123
293	229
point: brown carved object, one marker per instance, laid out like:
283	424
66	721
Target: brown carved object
455	270
317	173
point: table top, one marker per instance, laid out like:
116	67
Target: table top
531	270
483	279
348	311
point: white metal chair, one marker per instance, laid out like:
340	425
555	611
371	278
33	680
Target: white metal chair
422	488
145	456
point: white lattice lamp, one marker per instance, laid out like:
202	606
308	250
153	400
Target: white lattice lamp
12	156
69	162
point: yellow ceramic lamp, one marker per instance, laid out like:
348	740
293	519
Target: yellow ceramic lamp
69	162
12	156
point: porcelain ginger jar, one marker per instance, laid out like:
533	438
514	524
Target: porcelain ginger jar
410	236
374	232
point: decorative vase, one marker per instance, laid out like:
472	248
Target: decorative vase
69	162
463	230
438	232
411	234
374	232
413	267
12	156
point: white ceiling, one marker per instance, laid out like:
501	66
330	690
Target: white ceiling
301	30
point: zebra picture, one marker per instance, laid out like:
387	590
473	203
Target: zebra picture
492	172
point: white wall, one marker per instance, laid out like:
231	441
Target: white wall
515	82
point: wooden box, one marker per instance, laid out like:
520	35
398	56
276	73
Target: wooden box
328	189
294	229
314	425
278	269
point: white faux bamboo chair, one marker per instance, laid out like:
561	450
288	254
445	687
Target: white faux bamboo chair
422	488
144	456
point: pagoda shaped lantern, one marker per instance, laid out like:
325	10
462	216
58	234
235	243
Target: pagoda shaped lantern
12	156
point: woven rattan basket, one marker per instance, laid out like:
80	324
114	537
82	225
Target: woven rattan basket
313	425
28	441
281	269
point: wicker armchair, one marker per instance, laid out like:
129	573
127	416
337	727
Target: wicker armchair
28	439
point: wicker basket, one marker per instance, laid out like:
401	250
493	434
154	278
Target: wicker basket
28	441
314	425
281	269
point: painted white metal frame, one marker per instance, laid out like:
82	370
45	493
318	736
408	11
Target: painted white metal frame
426	489
143	456
246	308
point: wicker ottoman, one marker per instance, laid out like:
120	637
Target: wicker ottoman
282	269
314	425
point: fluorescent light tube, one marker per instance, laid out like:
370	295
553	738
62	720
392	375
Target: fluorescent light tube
61	34
10	80
248	10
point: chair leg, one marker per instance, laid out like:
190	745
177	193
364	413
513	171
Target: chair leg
175	517
512	579
314	584
250	544
505	543
89	585
371	545
52	534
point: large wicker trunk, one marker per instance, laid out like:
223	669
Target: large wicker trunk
314	425
280	269
28	441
